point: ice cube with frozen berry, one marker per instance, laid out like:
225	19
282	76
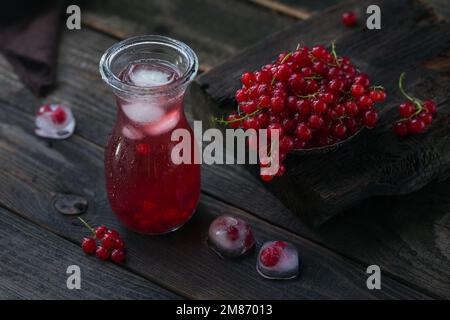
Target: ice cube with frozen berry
278	260
54	121
230	236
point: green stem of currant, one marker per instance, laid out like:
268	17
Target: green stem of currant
274	79
308	96
87	226
226	122
333	52
417	102
374	88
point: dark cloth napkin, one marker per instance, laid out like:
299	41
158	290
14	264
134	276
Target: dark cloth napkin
29	33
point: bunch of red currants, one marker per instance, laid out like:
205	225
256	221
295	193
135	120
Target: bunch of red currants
314	97
111	245
416	115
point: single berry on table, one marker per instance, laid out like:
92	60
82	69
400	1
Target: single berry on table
349	19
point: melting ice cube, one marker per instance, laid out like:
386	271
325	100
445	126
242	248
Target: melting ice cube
166	123
230	237
278	260
149	74
143	111
132	133
54	121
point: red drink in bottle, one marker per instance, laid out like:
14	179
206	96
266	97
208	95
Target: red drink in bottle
148	191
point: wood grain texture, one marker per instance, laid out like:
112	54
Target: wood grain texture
318	187
34	262
34	172
212	28
377	242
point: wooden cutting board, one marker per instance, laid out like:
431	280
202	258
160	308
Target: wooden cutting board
376	162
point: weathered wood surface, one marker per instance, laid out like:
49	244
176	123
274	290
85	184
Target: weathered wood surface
34	262
214	29
34	172
376	162
94	107
408	243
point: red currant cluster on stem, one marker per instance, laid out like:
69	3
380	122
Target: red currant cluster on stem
416	115
312	96
111	245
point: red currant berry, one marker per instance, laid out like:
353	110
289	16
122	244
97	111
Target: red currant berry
266	177
263	77
400	129
113	233
248	107
100	232
406	109
362	79
315	121
117	256
304	107
277	104
303	132
108	241
351	108
357	90
248	79
365	102
327	97
270	256
349	19
370	118
88	245
59	116
231	119
430	105
102	253
119	244
281	171
416	126
283	73
319	52
264	101
286	144
263	120
336	85
339	130
377	95
426	117
319	106
275	126
241	95
232	233
340	110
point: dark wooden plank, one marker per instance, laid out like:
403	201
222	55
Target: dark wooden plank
302	9
34	262
212	28
34	172
376	162
94	108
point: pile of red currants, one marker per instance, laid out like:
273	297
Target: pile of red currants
314	97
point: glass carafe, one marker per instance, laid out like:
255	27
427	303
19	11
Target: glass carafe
147	190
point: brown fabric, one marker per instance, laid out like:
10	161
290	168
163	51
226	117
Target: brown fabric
29	41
